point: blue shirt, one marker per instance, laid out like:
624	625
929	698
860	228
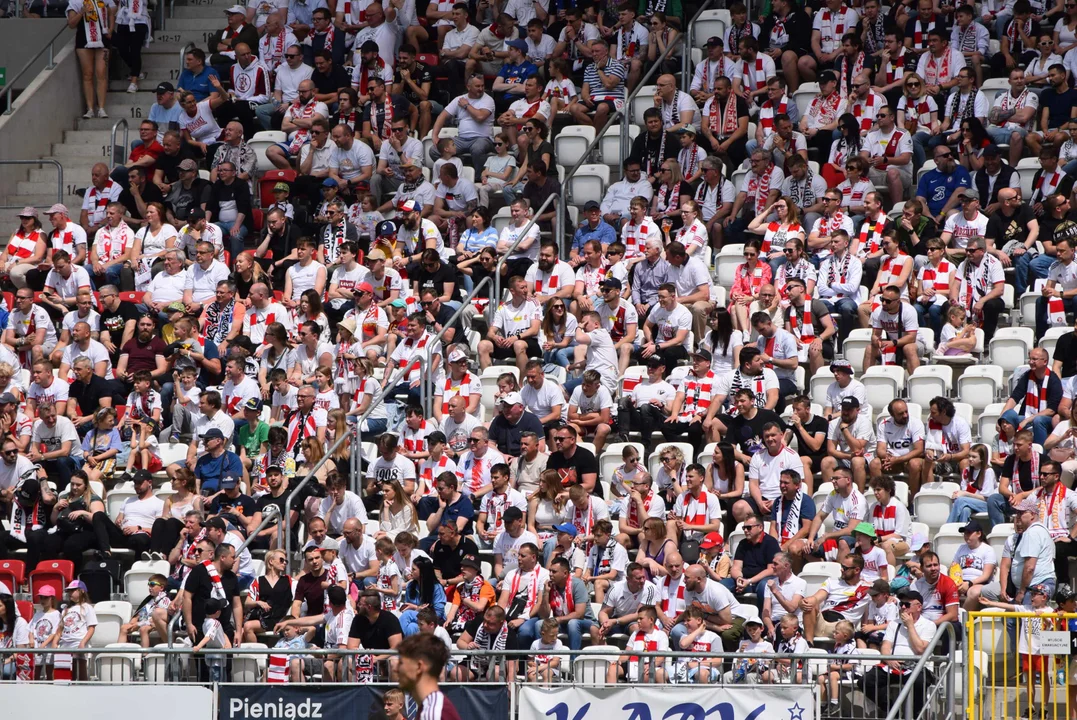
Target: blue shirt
807	511
604	233
474	242
516	74
437	602
937	188
209	352
166	118
462	508
198	85
210	470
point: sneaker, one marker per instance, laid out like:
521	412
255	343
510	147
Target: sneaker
147	557
101	113
133	87
88	115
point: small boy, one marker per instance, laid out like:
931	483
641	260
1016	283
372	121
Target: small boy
567	548
281	191
698	639
837	671
752	671
394	704
337	620
185	411
292	639
143	618
791	642
285	395
329	194
544	665
648	638
427	620
447	148
143	418
714	557
881	611
388	584
616	266
335	572
416	430
254	436
213	636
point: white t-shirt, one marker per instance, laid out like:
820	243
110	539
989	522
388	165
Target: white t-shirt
669	323
359	559
767	469
465	123
203	283
623	601
336	515
846	511
962	229
972	561
508	547
715	598
53	438
542	401
141	513
899	439
792	587
515	319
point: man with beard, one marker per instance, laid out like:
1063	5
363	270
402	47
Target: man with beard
418	235
145	351
276	251
211	579
550	277
415	188
390	175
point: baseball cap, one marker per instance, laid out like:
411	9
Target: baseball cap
398	303
213	605
1038	588
879	587
331	544
611	283
364	287
275	469
842	366
655	361
714	41
8	398
329	182
407	206
991	151
188	165
1029	504
850	402
591	205
213	434
971	194
689	129
76	585
753	621
236	10
457	355
28	211
702	353
385	228
972	526
567	528
228	482
146	475
196	214
910	595
512	398
517	44
57	208
281	187
512	514
47	591
470	562
253	404
164	87
712	540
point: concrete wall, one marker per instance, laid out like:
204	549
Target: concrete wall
20	39
49	106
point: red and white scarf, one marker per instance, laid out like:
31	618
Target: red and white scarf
727	125
672	599
835	273
767	111
695	508
115	241
892	66
382	129
871	234
273	51
561	601
365	74
754	79
1056	312
939	277
938	70
1045	188
802	326
1016	44
866	120
761	184
633	510
719	71
1036	394
302	135
839	28
845	78
21	245
920	31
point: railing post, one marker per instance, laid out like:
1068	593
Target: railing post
689	31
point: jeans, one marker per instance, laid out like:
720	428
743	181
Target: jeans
1070	167
527	633
965	507
562	357
847	310
998	509
409	622
478	146
265	113
1041	425
375	426
1041	313
1039	265
758	588
235	242
509	192
930	315
576	630
1021	265
919	148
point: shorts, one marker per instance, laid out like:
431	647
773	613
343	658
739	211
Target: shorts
155	463
611	105
827	623
878	177
286	149
508	353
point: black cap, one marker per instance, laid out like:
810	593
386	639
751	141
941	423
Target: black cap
655	361
141	475
28	491
470	562
910	595
702	353
512	514
972	526
991	151
611	283
827	76
591	205
196	214
849	402
165	87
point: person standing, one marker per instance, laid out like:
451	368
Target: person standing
422	657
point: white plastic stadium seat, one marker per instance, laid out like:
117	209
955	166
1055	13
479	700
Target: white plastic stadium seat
609	145
710	23
249	668
643	101
572	142
633	376
111	614
816	573
998	536
856	346
1026	170
932	506
980	385
993	86
987	422
501	219
1010	346
883	383
136	580
117	496
726	262
1027	306
260	142
947	541
116	666
589	183
172	453
804	95
928	381
591	664
1050	339
819	382
653	463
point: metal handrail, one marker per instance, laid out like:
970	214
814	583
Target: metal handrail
183	58
495	300
9	90
126	139
386	389
686	56
626	116
42	161
902	705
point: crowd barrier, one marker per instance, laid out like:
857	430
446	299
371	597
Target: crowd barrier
1017	665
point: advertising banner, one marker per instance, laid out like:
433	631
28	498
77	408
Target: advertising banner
669	702
343	702
106	702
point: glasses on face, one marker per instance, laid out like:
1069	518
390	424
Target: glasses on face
845	568
829	199
749	256
8	453
203	252
912	85
400	129
1049	474
560	439
942	156
472	441
292	55
751	527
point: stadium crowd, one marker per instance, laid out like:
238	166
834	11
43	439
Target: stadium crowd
197	339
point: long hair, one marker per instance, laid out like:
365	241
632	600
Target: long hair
976	127
729	461
850	131
721	335
10	614
548	327
426	580
314	302
401	496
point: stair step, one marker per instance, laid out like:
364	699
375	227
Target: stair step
68	154
209	10
24	187
107	123
169	48
75	175
87	137
190	29
43	202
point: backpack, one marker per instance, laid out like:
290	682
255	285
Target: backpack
103	578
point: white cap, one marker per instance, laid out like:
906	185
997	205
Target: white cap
236	9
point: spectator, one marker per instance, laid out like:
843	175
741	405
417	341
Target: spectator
910	637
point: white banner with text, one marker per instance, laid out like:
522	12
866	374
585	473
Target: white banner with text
107	702
669	702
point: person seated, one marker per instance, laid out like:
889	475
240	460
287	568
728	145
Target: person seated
841	598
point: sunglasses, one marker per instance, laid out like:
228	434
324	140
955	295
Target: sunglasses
292	55
561	439
912	84
943	156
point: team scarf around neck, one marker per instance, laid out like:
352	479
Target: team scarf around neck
845	76
217	592
938	70
839	274
959	111
1036	393
763	188
727	125
790	517
93	22
803	197
302	135
802	325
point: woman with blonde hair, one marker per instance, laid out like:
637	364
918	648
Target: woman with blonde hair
338	427
94	22
546	508
184	498
666	203
918	113
777	233
654	546
397	512
269	598
246	271
8	382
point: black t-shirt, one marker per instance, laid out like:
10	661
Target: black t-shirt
88	395
583	462
224	505
1058	106
1003	229
749	433
507	437
757	557
814	426
169	164
239	193
401	109
1066	351
419	75
113	322
200	587
150	193
436	280
447	559
309	589
336	79
375	635
1024	472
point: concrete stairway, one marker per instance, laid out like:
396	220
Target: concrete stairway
88	142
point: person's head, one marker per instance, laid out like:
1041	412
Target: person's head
423	657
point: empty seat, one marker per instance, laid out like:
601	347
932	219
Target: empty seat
929	381
588	183
1009	347
856	346
571	143
980	385
883	383
111	615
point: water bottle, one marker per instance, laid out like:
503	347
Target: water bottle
1060	677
